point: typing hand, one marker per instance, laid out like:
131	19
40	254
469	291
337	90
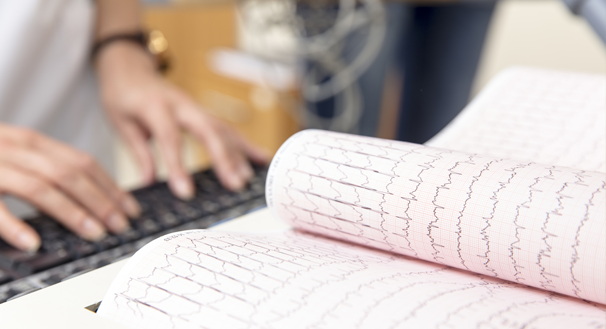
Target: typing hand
61	181
142	105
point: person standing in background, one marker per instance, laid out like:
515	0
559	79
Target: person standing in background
438	56
430	53
55	99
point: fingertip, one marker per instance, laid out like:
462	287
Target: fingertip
131	206
117	223
92	230
182	188
245	171
234	182
27	241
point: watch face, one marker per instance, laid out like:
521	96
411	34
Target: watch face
157	43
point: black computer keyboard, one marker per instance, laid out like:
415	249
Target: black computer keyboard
63	255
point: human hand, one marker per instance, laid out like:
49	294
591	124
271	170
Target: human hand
62	182
142	105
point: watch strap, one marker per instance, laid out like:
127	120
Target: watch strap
139	38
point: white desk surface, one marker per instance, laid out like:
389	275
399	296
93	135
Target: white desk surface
63	305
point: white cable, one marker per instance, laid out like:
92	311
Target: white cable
324	51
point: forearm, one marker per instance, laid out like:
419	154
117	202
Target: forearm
117	17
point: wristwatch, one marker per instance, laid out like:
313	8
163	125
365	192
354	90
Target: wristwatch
157	45
154	42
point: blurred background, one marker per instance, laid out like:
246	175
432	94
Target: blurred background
399	70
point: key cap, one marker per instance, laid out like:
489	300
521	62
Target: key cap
42	261
53	279
209	206
207	186
146	226
186	211
108	242
78	247
128	236
166	219
5	277
227	201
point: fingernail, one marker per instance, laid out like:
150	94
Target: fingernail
235	182
92	230
183	189
117	223
27	241
131	206
245	172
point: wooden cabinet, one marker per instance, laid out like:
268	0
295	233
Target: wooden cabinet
196	31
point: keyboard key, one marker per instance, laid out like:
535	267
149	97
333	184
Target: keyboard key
167	219
53	279
146	226
209	206
108	242
207	186
102	263
42	261
186	211
5	277
80	248
227	201
128	236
